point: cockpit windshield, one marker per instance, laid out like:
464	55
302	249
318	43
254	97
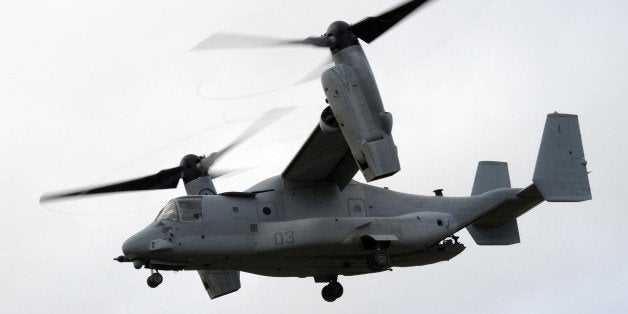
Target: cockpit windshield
183	209
190	209
169	212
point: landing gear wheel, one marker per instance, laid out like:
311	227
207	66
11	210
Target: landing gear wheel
379	261
154	280
332	291
336	289
327	294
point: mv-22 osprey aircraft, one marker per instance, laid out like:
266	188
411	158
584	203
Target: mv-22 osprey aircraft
313	220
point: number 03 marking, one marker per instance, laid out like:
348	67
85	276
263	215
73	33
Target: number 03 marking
284	237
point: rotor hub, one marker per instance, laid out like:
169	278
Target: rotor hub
189	169
340	36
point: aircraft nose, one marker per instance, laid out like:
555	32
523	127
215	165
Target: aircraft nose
135	246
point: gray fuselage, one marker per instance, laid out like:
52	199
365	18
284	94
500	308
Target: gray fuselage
311	229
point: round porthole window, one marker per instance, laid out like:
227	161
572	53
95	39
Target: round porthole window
357	208
266	210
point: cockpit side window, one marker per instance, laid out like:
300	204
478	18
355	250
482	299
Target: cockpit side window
190	209
169	212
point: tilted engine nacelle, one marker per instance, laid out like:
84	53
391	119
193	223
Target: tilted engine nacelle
368	133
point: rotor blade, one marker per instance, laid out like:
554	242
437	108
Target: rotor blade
317	72
372	27
236	41
263	122
164	179
318	41
225	173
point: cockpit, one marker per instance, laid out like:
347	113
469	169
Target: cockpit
187	208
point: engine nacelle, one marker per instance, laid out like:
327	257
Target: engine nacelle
368	133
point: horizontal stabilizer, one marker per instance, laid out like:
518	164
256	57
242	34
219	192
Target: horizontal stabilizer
495	235
561	173
490	175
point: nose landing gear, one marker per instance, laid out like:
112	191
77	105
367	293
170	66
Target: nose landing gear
154	280
332	291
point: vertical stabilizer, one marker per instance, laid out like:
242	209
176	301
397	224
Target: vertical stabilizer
561	173
490	175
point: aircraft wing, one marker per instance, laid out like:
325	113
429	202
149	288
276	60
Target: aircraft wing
324	156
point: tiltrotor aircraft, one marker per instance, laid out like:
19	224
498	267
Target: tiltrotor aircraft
313	220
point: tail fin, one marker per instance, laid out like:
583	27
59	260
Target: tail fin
561	173
560	176
493	175
489	176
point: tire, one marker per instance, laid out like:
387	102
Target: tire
151	283
371	264
157	278
327	294
381	259
336	289
154	280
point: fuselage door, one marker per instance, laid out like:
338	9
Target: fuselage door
357	208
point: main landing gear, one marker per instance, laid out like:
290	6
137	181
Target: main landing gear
379	260
155	279
332	291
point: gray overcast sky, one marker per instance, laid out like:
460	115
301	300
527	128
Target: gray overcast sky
99	91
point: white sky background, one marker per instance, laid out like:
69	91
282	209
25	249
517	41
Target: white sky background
92	92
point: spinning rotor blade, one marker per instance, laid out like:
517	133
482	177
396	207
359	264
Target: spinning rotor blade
317	72
228	172
235	41
368	30
372	27
164	179
263	122
169	178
